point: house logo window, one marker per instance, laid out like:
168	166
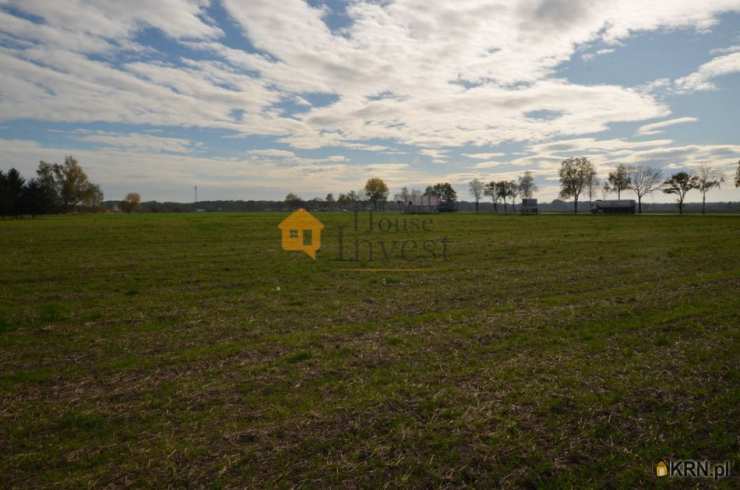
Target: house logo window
301	232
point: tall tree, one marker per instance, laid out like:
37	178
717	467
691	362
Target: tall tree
680	184
573	177
707	179
527	186
68	184
353	196
502	192
35	199
618	180
592	183
48	182
445	192
93	197
330	198
11	191
376	191
491	190
4	195
74	186
513	191
476	189
404	196
643	181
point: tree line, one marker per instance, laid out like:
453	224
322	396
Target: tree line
56	188
376	193
59	188
503	191
578	176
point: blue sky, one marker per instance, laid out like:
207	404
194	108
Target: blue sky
254	99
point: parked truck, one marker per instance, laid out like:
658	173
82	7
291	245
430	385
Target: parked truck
622	206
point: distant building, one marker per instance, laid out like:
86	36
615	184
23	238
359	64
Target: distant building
421	204
623	206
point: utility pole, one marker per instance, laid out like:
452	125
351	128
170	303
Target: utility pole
195	188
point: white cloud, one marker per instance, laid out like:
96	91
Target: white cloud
483	156
107	20
437	155
703	77
590	56
261	177
419	52
578	146
251	177
729	49
436	47
490	164
364	147
138	142
271	153
434	76
64	86
655	128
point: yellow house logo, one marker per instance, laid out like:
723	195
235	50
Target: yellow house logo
301	232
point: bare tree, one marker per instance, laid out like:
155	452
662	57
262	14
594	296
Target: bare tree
643	181
573	176
404	196
130	203
680	184
502	192
513	189
93	197
354	196
708	179
491	190
476	189
618	181
592	183
527	186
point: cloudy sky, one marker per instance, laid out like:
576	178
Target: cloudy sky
251	99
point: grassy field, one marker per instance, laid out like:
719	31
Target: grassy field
190	350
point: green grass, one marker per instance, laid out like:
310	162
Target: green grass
190	350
